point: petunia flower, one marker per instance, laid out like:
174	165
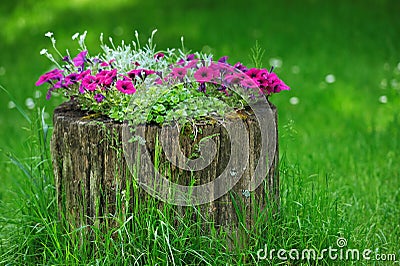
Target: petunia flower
125	86
202	87
252	72
106	77
205	74
99	97
80	59
55	74
89	82
179	72
223	59
240	66
158	56
141	73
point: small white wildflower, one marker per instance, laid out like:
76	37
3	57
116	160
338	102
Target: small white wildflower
275	62
383	99
43	51
76	35
38	94
29	103
294	100
49	34
330	78
11	105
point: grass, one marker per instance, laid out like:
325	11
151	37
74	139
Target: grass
339	145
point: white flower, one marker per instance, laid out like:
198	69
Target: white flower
29	103
76	35
43	51
11	105
49	34
294	100
330	78
383	99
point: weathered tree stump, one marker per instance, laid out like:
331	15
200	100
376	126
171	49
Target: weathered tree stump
92	171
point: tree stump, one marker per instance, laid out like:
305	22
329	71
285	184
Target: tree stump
92	168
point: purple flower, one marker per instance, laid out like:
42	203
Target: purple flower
71	79
190	57
240	66
202	87
55	74
125	86
99	97
57	85
223	59
80	59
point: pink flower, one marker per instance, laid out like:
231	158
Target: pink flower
80	59
89	82
179	72
158	56
252	72
205	74
55	74
234	78
125	86
141	73
106	77
240	66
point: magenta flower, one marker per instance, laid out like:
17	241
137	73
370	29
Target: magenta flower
190	57
71	79
141	73
106	77
158	56
80	59
55	74
106	64
205	74
89	82
125	86
240	66
99	97
179	72
252	72
223	60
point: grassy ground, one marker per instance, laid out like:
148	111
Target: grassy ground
339	144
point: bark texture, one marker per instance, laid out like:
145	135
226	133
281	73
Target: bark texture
92	174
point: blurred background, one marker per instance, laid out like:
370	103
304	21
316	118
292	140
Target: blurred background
341	58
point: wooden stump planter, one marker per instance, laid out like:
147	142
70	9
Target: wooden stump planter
91	171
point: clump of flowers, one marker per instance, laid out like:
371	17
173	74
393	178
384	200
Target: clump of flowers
155	86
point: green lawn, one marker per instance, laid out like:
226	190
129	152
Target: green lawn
339	144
